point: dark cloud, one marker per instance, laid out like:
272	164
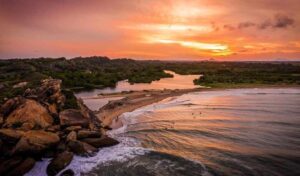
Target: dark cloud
283	21
279	21
264	25
246	25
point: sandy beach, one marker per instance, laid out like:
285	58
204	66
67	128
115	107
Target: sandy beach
132	100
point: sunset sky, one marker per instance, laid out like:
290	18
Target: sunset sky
151	29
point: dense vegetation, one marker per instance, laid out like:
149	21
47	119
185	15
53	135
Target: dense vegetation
98	72
76	73
238	74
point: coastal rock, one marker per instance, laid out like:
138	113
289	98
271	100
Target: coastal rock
73	128
73	117
29	112
53	128
81	148
88	134
11	105
10	135
67	172
95	123
9	164
25	166
72	136
36	141
101	142
59	163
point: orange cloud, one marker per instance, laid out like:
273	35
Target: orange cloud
151	29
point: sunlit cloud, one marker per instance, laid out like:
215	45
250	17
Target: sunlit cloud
171	28
215	48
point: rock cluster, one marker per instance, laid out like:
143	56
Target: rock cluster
37	125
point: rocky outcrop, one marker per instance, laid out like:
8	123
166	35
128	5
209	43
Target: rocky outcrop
30	113
41	124
59	163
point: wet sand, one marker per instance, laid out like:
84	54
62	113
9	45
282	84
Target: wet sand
132	100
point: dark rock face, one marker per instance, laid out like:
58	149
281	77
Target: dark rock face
73	117
101	142
24	167
82	148
67	172
9	164
57	164
88	134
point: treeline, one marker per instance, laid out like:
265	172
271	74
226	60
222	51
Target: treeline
99	72
237	74
76	73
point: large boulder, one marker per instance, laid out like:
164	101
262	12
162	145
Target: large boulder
10	135
36	141
59	163
73	117
31	112
104	141
81	148
25	166
88	134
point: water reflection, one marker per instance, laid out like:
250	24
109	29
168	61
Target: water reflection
232	132
176	82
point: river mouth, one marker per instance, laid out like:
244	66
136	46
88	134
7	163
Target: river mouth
94	101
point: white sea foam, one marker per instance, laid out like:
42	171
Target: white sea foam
122	152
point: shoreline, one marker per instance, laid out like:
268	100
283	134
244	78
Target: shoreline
133	100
